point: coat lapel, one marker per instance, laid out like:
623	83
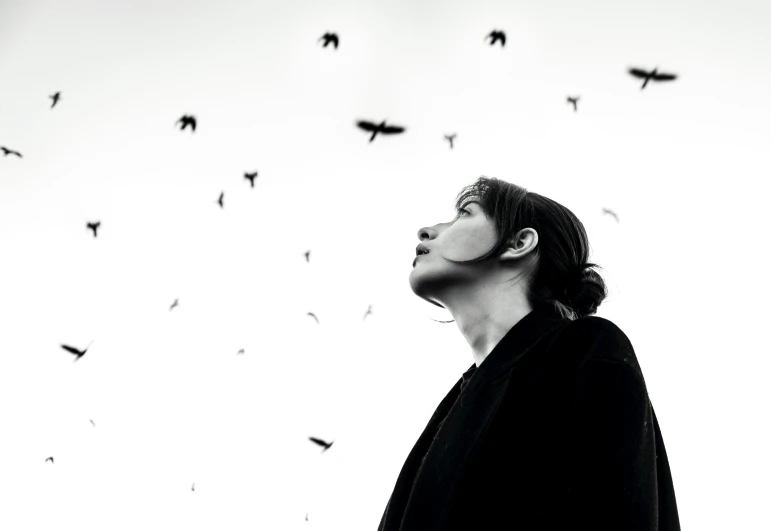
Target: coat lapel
457	425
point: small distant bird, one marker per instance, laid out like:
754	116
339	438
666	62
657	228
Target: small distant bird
55	97
497	35
193	488
606	211
307	256
92	422
51	458
652	75
306	517
187	120
7	152
330	37
222	196
574	101
325	444
378	128
314	316
93	226
369	312
78	353
174	305
450	138
250	177
241	351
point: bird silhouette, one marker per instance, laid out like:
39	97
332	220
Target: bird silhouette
369	312
314	316
7	152
51	458
93	226
174	305
378	128
187	120
497	35
330	37
306	517
450	138
78	353
92	422
222	196
652	75
307	256
606	211
325	444
250	177
241	351
574	101
55	97
193	488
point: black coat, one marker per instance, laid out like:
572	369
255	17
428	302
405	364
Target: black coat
553	431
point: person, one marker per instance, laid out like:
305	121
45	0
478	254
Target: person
552	427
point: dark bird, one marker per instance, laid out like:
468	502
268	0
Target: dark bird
187	120
7	152
222	196
378	128
78	353
92	422
314	316
55	97
574	101
497	35
174	305
241	351
93	226
330	37
450	138
606	211
307	256
369	311
325	444
250	177
652	75
51	458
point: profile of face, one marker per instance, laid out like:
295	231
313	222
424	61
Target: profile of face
469	235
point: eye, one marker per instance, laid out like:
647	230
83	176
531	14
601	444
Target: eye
462	210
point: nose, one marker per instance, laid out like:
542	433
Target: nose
423	233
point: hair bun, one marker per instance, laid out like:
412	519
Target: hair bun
585	290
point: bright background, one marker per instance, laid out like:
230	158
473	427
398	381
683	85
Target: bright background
684	165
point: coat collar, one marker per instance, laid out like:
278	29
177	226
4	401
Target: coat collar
426	484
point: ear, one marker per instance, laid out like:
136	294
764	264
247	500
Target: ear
522	244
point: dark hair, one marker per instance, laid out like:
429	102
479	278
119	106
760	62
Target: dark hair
560	277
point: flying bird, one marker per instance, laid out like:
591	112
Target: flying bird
174	305
193	488
378	128
606	211
497	35
55	97
7	152
330	37
92	422
307	256
306	517
450	138
187	120
314	316
325	444
574	101
222	196
93	226
250	177
652	75
51	458
78	353
241	351
369	311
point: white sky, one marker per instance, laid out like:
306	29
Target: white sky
683	164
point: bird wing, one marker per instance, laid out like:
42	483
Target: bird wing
502	36
664	77
636	72
367	126
71	349
192	123
392	129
